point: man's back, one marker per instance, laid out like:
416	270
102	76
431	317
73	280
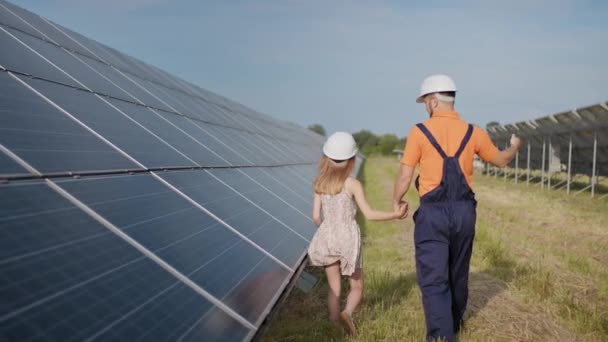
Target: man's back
449	130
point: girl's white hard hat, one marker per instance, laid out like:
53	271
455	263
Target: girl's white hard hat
340	146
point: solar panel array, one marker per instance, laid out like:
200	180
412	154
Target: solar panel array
135	205
585	128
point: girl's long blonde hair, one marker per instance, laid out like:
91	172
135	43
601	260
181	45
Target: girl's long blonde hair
332	175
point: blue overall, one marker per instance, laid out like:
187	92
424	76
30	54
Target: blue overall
443	235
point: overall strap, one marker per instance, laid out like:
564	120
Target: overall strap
434	142
465	141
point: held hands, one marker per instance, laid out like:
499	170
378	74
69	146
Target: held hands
400	210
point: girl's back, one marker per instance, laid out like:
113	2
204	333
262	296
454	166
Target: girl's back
338	237
339	208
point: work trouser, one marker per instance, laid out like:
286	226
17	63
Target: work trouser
443	236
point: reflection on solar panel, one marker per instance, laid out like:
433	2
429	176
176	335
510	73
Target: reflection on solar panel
136	205
575	142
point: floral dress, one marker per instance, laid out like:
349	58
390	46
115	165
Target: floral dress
338	237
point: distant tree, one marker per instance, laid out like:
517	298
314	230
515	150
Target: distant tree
492	124
402	142
365	138
370	144
317	129
387	143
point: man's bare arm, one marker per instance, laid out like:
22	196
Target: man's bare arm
402	184
503	158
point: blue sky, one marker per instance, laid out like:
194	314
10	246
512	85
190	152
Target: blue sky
352	65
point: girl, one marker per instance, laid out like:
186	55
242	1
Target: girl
337	243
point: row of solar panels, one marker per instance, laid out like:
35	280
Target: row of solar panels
586	129
178	113
168	92
105	256
136	205
82	132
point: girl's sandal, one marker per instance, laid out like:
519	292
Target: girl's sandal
347	324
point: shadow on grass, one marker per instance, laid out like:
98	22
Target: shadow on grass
483	286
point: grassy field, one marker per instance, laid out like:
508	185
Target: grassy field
539	270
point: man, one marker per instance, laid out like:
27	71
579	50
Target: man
444	146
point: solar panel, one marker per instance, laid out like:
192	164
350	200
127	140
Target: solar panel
65	277
134	204
9	168
585	127
246	216
46	138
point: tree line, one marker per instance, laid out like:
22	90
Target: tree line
370	143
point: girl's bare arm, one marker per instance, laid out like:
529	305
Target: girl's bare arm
316	209
355	188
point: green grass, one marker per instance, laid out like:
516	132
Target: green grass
539	270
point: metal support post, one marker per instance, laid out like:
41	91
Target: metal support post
569	165
542	171
516	166
506	166
594	164
549	174
528	166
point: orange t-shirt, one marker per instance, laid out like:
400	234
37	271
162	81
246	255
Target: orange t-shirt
449	130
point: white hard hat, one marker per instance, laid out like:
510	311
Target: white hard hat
435	84
340	146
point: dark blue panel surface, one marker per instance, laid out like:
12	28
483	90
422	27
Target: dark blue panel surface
300	183
112	125
263	153
136	93
228	116
10	168
286	214
275	148
201	132
163	94
9	19
95	49
308	172
33	24
48	139
16	57
198	152
184	236
231	138
241	214
278	185
67	278
71	65
40	28
209	112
